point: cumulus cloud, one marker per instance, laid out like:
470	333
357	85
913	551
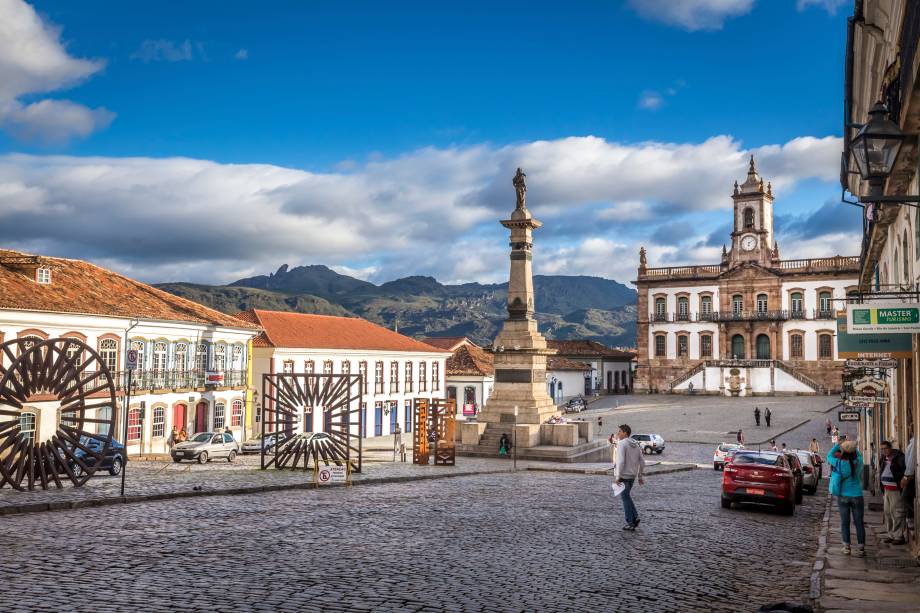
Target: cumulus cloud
692	15
430	211
33	60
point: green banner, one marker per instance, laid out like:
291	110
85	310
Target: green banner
871	346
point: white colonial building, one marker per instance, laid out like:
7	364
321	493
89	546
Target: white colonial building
193	361
394	368
752	324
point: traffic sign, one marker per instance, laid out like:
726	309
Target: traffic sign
331	474
848	416
131	361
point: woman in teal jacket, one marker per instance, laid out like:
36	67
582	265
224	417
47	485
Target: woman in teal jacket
846	483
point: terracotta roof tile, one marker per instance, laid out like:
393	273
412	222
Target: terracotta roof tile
587	348
83	288
302	330
470	360
560	363
449	343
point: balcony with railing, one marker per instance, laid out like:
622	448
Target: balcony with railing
177	380
837	263
755	315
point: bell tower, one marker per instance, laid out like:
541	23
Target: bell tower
752	232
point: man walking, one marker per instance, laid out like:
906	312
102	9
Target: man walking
757	416
740	437
909	481
892	463
767	415
630	466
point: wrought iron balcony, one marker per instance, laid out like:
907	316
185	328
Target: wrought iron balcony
726	316
148	380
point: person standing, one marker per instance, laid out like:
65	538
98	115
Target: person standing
173	436
829	427
767	416
504	445
773	445
629	468
835	436
892	464
740	436
814	447
846	483
757	417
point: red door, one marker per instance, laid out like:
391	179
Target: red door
201	417
179	416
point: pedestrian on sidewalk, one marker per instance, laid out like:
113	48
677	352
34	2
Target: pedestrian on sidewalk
171	441
829	427
767	416
783	448
892	462
814	447
835	436
630	467
740	436
757	417
909	481
504	445
773	445
846	483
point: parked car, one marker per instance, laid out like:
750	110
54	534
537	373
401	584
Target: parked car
576	405
723	454
762	477
206	446
796	466
811	471
268	442
650	443
113	460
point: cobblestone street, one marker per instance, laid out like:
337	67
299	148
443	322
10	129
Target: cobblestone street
524	541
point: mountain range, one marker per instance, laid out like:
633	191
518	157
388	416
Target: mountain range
567	306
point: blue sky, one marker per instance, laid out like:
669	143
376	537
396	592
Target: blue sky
358	134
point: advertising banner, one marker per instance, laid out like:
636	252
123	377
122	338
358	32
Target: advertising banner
871	346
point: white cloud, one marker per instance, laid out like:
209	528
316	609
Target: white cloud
33	60
692	14
430	211
162	50
242	54
651	100
830	6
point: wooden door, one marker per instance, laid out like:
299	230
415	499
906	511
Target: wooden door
201	417
179	416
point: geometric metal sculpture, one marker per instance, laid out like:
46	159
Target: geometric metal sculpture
66	372
444	418
290	398
421	426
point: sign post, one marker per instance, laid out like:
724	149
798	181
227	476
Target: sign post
883	318
848	416
881	345
131	358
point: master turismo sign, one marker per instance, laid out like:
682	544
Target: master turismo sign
883	318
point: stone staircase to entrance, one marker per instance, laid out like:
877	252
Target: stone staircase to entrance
792	372
488	442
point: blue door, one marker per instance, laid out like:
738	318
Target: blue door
363	420
408	416
394	416
378	419
308	420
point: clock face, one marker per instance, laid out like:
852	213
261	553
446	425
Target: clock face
749	242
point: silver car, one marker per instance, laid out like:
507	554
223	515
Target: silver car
811	471
206	446
650	443
255	445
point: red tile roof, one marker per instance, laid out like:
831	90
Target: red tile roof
469	360
450	343
586	348
307	331
82	288
560	363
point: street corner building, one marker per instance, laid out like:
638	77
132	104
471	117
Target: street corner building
751	324
394	369
192	366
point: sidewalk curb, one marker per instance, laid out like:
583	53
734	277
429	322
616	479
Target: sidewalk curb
40	507
817	571
597	471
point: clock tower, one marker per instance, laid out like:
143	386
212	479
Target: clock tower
752	233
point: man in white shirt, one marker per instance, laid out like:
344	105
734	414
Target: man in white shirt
630	466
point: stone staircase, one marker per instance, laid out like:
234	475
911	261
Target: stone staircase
488	442
802	378
685	376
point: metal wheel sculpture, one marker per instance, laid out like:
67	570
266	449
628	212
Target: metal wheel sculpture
67	377
290	398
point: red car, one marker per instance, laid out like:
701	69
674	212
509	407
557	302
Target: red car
763	477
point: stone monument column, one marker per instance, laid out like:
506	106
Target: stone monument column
520	350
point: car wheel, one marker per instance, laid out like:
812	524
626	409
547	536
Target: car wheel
659	451
716	466
176	460
232	456
115	469
788	508
203	457
798	496
726	503
812	490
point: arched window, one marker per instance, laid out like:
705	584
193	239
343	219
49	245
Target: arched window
309	367
422	377
378	378
180	359
706	305
134	424
682	346
201	357
796	349
327	367
761	303
108	353
362	371
408	376
237	359
236	413
138	346
748	218
220	357
660	345
435	376
706	346
797	304
159	422
683	308
825	347
469	396
346	367
27	425
661	308
160	349
288	367
737	303
394	377
763	347
738	347
219	415
824	304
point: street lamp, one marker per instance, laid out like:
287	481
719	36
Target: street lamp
876	147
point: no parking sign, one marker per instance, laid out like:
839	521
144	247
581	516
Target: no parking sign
331	474
131	361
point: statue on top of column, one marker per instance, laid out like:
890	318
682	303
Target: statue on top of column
520	186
